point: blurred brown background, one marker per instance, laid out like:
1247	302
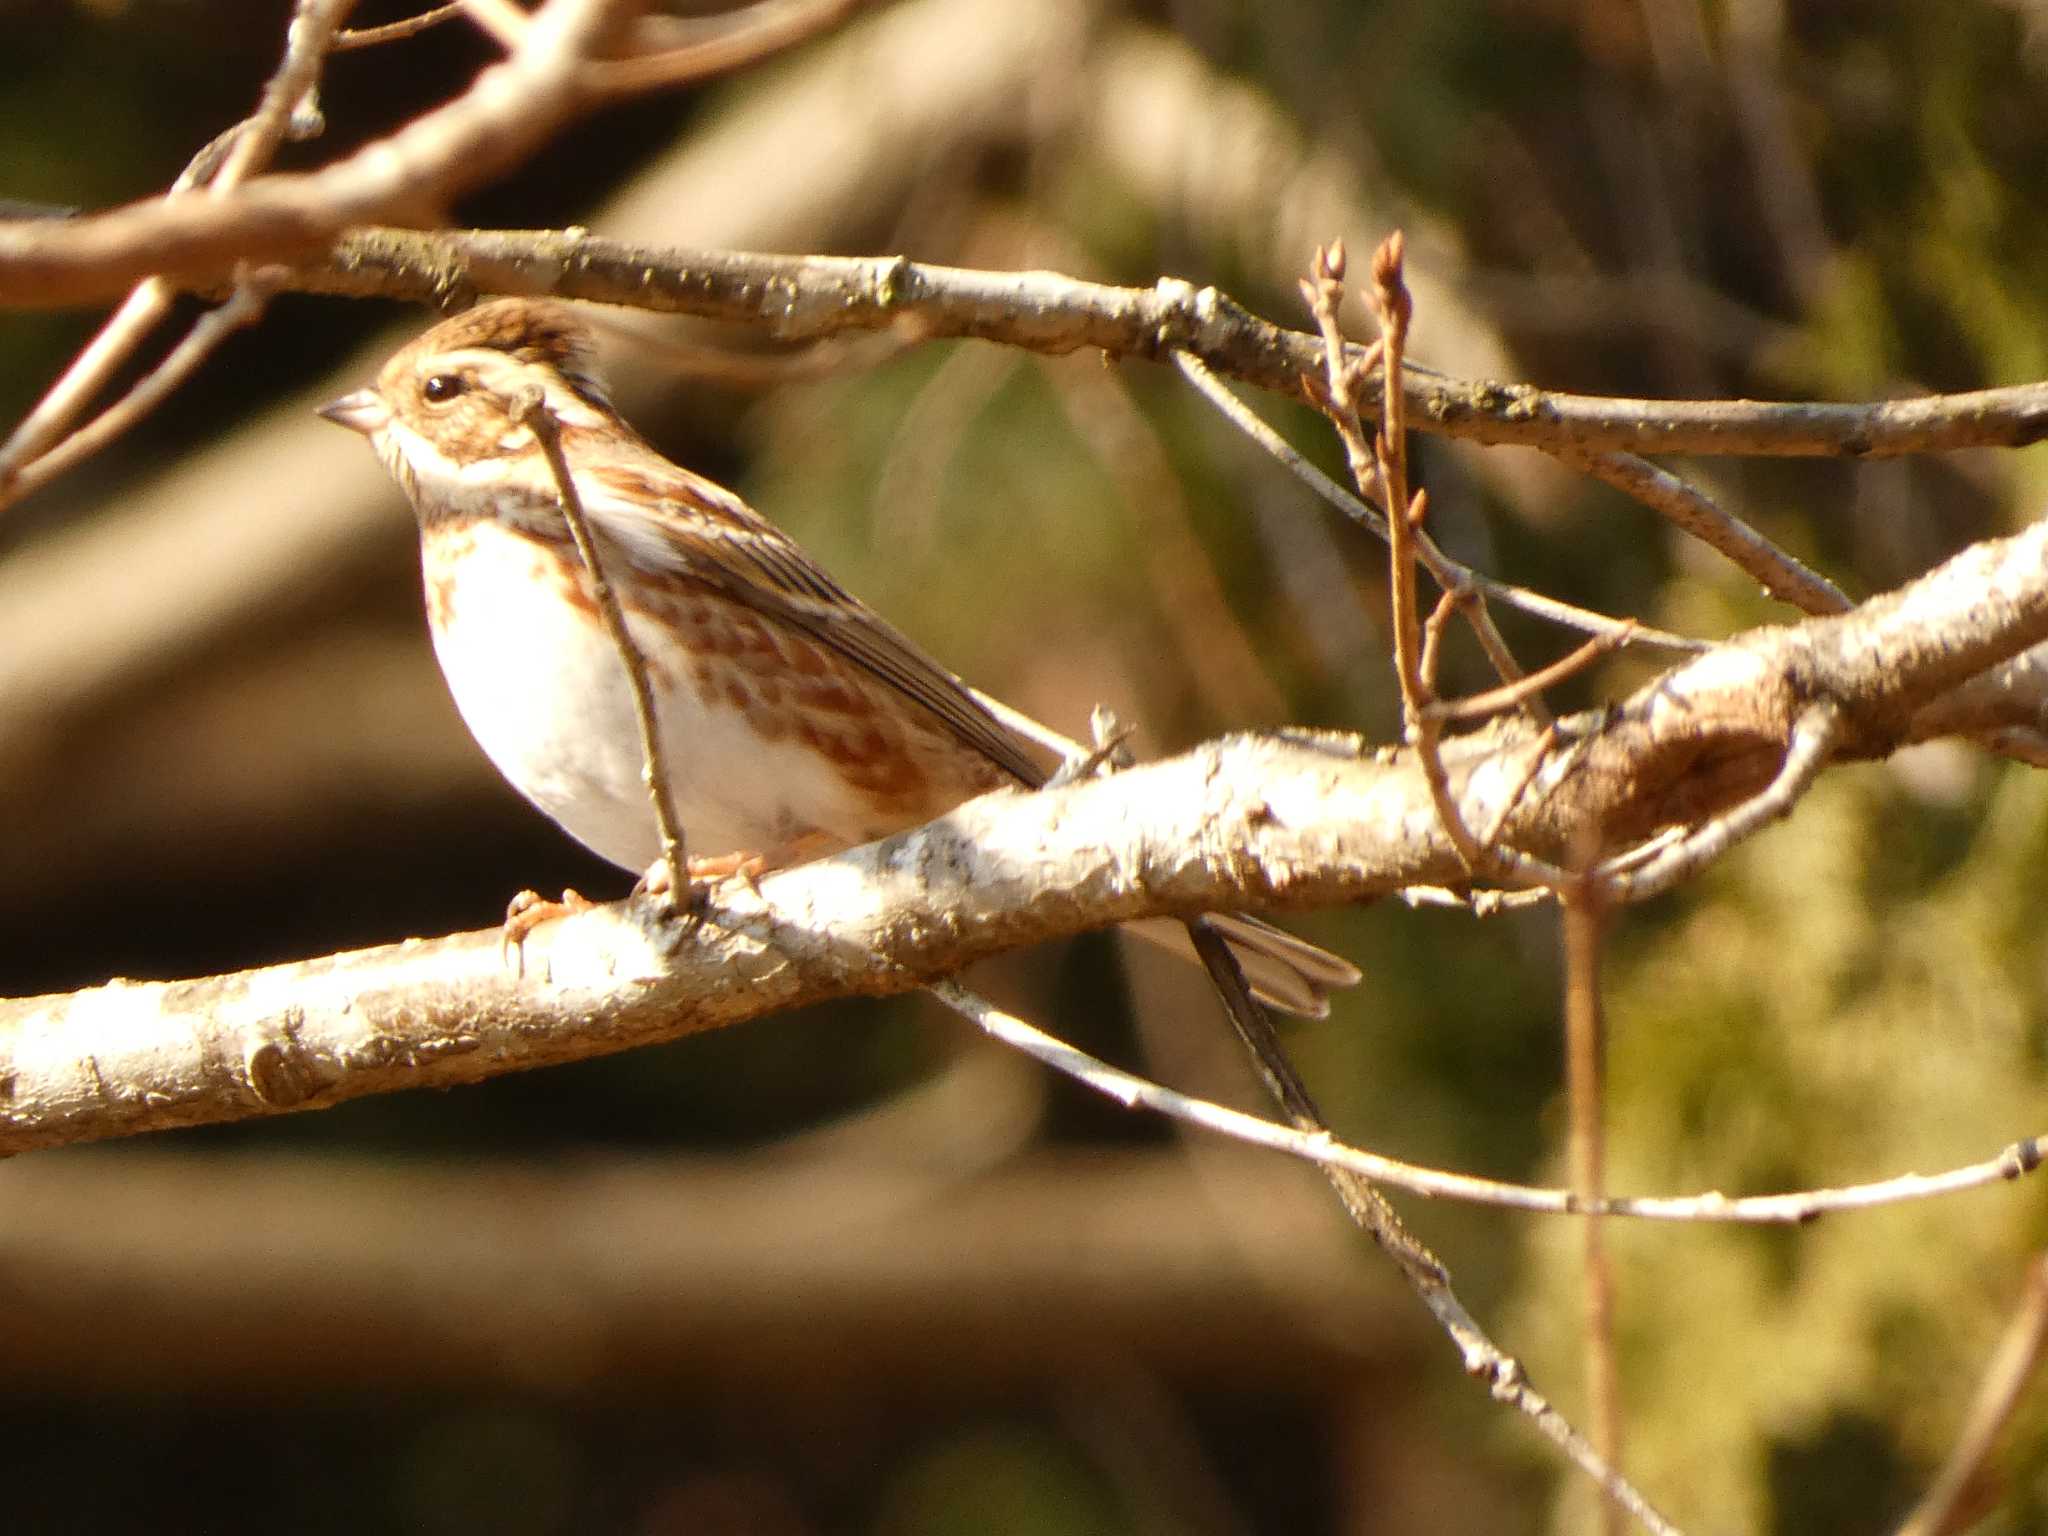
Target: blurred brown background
854	1270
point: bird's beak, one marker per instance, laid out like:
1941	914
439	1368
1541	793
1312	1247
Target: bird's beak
360	411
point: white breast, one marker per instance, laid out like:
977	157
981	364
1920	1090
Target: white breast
544	692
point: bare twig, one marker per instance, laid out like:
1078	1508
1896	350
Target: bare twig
1367	1207
1425	1273
1813	739
88	373
1688	508
1433	644
1384	464
352	38
811	297
1482	1358
532	410
2006	1378
1381	464
740	38
1449	573
1390	454
1585	1048
1478	706
511	108
283	111
219	166
244	307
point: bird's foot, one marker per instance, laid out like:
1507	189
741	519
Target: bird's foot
526	912
1111	752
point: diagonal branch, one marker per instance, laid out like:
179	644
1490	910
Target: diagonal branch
1450	574
511	109
1944	1508
32	454
1483	1359
532	410
1687	508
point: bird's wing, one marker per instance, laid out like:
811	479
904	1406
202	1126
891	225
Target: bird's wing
678	521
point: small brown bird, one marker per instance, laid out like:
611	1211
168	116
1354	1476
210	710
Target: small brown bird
795	720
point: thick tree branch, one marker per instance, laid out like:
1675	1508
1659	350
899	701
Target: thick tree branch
1244	823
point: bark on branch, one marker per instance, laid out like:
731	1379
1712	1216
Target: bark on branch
811	297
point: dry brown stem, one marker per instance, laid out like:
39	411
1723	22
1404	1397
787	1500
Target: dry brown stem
1585	1074
1946	1510
533	411
1382	467
352	38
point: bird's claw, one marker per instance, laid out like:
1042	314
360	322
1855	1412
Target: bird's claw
526	912
1111	750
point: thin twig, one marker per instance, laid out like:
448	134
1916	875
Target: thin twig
87	374
1472	603
1367	1207
508	110
147	303
227	159
244	307
741	37
1449	573
1585	1048
352	38
1382	462
1390	453
2006	1378
1691	510
531	409
1404	515
1433	643
1814	735
1482	1358
1385	464
1479	705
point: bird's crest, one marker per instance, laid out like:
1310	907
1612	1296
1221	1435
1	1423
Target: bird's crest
531	331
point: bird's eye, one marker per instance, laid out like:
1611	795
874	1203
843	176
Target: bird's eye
442	386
